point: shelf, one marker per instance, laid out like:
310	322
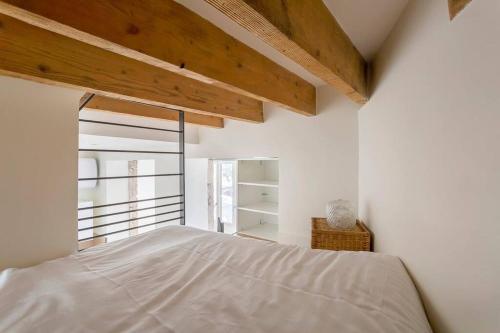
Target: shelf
261	207
266	231
262	183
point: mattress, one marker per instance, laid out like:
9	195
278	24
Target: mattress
180	279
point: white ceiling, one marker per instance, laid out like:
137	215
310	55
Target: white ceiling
367	22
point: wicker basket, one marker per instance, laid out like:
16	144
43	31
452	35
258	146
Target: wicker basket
327	238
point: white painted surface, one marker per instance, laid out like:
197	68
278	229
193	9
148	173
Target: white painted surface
317	157
85	223
87	168
163	186
367	22
146	189
430	159
226	194
213	15
117	190
258	196
197	193
260	183
265	171
264	207
267	231
112	142
38	172
120	132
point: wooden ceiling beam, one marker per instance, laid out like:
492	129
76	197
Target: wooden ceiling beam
164	33
33	53
456	6
307	33
107	104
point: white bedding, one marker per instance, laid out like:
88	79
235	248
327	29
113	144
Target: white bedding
179	279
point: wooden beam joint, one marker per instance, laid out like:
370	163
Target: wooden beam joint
107	104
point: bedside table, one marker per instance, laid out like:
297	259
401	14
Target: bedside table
326	238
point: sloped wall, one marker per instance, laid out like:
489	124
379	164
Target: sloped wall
429	157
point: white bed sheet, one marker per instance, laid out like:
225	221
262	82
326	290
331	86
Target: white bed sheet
179	279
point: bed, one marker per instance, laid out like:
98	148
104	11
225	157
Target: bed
180	279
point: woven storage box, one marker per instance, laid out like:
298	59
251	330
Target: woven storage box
326	238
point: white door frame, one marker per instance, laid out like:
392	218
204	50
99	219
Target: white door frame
219	164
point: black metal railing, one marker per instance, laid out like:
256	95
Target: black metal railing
135	176
180	174
128	211
129	202
128	220
128	229
127	125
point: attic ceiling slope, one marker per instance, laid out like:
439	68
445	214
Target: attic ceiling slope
368	23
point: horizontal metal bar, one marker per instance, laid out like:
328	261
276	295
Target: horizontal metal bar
128	211
128	202
129	220
133	228
125	177
127	125
132	151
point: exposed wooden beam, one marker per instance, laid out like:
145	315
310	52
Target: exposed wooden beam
30	52
107	104
456	6
307	33
168	35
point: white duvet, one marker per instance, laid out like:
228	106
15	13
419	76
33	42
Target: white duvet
179	279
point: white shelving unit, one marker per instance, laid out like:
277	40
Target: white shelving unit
266	231
261	207
258	198
263	183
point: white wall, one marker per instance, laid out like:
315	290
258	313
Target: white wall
430	159
38	172
120	132
197	192
318	157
